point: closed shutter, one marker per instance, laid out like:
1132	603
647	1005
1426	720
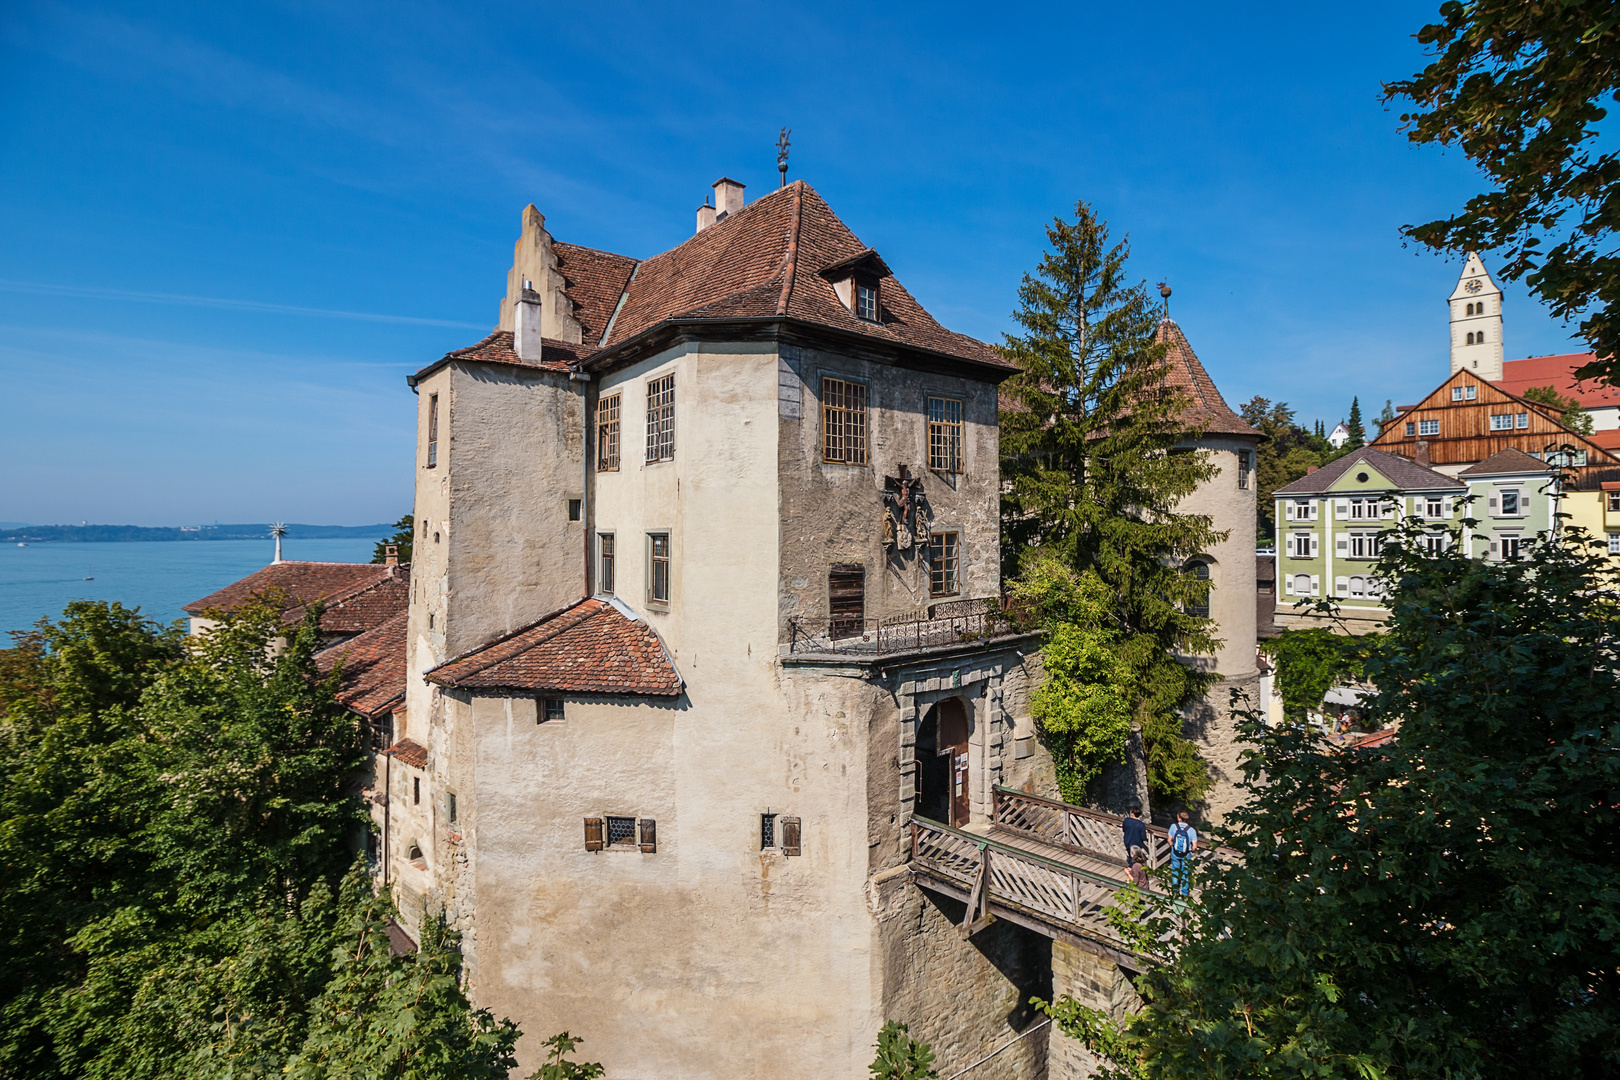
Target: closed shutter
790	836
1288	510
1316	585
1341	586
1445	506
649	836
1315	545
1492	504
1341	508
1494	550
593	834
1288	584
1341	544
1288	545
846	598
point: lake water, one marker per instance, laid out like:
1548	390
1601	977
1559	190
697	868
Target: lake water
159	577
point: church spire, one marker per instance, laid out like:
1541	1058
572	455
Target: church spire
1476	322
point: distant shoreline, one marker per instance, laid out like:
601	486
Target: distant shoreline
44	534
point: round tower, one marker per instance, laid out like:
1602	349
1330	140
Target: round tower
1476	322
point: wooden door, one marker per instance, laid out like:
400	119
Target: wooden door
953	740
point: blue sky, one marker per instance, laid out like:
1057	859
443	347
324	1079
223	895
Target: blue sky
232	230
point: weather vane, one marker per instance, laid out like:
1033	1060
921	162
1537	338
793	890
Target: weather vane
782	145
1164	291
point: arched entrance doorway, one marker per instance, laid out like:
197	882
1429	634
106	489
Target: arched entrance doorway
942	764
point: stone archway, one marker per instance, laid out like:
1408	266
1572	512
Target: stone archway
943	789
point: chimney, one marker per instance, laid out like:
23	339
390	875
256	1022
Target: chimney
1310	469
392	557
1423	453
705	216
526	324
728	197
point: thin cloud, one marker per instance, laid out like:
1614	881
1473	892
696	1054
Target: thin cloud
219	302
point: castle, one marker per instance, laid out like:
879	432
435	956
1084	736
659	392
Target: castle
703	613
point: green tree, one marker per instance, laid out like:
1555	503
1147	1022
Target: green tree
557	1065
1520	87
1094	465
900	1057
1358	430
1387	417
1571	414
384	1015
1311	662
1445	905
1082	708
404	533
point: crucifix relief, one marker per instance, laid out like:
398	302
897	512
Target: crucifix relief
905	517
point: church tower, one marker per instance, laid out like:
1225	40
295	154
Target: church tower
1476	322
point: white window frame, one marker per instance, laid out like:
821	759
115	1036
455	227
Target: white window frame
1518	510
1614	543
653	536
660	419
1428	427
1502	421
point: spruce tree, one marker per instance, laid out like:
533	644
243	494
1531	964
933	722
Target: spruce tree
1358	433
1095	462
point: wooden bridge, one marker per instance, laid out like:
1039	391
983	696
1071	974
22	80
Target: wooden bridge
1043	864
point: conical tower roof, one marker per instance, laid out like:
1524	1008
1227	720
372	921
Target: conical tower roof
1207	411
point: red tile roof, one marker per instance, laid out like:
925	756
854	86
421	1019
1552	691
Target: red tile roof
1609	438
1558	373
373	667
762	262
410	752
588	648
1207	410
358	596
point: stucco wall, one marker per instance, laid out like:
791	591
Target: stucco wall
832	513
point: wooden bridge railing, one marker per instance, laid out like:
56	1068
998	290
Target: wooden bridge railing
1000	872
1076	829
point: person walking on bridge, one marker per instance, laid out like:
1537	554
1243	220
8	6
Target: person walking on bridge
1183	842
1136	838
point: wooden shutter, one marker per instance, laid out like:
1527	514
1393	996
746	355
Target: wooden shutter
1316	584
790	836
1315	548
1341	586
649	836
1341	508
593	834
846	598
1341	543
1288	584
1288	510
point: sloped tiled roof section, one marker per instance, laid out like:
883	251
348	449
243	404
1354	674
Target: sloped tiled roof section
594	280
410	752
1404	473
373	667
591	647
764	262
497	348
1505	462
335	584
1558	372
1206	411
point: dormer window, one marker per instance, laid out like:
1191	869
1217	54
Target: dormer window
857	282
866	301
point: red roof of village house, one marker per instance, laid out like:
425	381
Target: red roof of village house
763	262
1558	373
591	647
373	667
358	596
410	752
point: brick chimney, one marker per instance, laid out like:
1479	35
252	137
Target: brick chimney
728	197
392	556
526	324
1310	469
1422	457
706	214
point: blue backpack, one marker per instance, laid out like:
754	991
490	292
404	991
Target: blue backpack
1179	844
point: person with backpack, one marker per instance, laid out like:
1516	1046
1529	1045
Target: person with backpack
1183	842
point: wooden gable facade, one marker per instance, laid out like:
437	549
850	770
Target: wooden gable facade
1466	420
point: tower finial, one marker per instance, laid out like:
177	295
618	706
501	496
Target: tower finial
278	530
1164	291
782	145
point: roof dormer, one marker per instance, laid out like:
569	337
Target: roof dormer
857	282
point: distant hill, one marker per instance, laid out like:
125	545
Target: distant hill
113	533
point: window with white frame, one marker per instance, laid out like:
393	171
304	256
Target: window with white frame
605	563
1299	510
1512	545
1521	420
866	302
1300	545
658	567
1563	459
1456	393
1428	427
1358	587
1434	506
1302	584
1470	392
607	434
1365	545
1614	501
1436	543
1512	505
1501	421
1411	429
661	418
1614	543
